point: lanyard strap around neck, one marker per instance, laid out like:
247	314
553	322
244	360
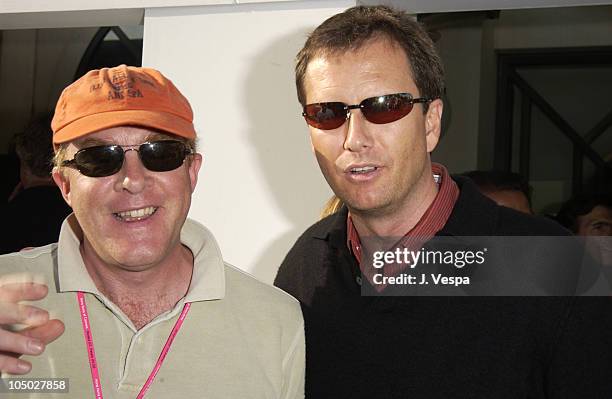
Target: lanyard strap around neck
91	353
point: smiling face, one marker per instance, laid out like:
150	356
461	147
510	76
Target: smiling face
131	219
374	168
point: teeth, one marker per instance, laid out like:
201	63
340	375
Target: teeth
136	214
365	169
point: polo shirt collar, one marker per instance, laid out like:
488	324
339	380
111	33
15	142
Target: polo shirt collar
207	281
72	274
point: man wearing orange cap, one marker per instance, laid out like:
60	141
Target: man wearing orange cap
148	304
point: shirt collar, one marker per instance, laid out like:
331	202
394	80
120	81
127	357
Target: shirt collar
473	215
207	281
432	221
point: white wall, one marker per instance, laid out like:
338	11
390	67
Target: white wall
260	186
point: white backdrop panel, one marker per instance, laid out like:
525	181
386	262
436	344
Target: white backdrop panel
259	187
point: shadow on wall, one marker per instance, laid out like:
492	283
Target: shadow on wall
283	149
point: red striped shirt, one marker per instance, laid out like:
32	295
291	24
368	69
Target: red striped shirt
432	221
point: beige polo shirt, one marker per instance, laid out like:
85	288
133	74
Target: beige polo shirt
241	338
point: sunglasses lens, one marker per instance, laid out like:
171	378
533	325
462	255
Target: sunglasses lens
163	156
99	161
106	160
387	109
325	116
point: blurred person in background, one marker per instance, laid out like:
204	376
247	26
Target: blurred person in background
35	209
505	188
10	173
587	215
590	216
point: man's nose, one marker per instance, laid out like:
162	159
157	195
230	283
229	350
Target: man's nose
133	174
358	135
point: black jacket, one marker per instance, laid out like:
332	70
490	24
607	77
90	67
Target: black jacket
33	218
444	347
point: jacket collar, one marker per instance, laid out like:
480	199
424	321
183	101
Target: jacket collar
473	214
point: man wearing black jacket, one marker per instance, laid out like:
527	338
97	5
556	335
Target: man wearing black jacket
370	82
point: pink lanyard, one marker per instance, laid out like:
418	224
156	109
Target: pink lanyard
91	353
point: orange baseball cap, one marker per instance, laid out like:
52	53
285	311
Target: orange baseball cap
121	96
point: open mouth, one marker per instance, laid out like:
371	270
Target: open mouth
363	170
135	215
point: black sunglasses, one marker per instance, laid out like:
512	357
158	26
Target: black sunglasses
106	160
380	109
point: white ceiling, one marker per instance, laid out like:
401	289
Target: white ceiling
20	14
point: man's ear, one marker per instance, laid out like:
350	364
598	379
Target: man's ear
194	167
433	124
63	183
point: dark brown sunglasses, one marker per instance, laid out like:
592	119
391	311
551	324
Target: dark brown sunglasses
380	109
106	160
